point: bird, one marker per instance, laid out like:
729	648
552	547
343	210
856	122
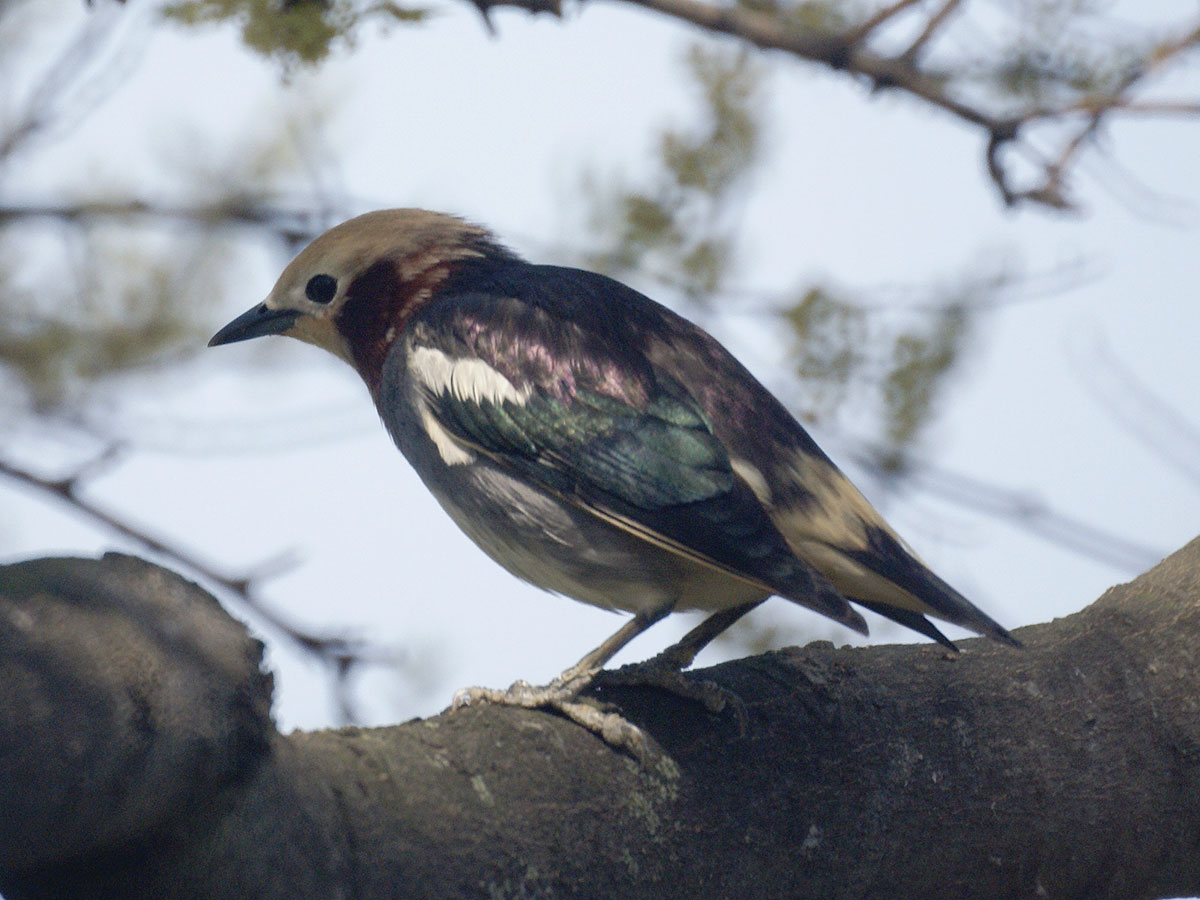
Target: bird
594	443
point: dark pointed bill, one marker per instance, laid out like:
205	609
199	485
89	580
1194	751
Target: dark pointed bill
255	323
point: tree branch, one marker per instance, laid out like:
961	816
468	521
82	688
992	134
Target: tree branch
849	50
1070	769
293	225
931	27
881	15
342	655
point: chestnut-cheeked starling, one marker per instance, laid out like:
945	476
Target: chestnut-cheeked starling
593	442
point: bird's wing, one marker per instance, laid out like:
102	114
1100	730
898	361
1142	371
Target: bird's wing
586	418
822	515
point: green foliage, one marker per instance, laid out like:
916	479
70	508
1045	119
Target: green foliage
1059	74
678	221
119	310
92	289
921	360
678	225
823	17
299	32
894	362
1051	52
830	335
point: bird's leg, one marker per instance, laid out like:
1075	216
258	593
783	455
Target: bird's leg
665	670
594	661
569	684
562	693
683	652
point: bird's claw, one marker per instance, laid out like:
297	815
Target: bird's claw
712	696
564	689
612	728
562	695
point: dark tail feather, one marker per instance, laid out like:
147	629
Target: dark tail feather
909	619
888	558
812	589
947	603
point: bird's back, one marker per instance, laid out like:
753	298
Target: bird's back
544	327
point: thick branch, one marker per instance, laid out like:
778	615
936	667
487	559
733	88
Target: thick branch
138	762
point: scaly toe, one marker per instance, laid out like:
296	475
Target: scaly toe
709	694
612	728
476	696
524	694
562	696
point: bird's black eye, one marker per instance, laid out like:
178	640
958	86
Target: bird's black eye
321	288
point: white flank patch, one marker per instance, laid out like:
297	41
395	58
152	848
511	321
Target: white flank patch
468	379
451	452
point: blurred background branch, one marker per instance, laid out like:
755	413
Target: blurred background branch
109	287
1040	79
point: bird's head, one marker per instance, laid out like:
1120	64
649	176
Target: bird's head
352	290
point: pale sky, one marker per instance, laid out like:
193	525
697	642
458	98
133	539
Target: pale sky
261	448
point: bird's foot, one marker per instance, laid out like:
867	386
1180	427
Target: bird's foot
562	695
662	672
519	693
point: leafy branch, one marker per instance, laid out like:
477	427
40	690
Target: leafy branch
1039	80
849	47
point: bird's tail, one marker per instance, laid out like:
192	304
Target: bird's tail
891	581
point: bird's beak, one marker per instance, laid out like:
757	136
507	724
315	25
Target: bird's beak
255	323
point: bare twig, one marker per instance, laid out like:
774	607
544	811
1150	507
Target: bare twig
341	654
1145	415
883	14
289	223
848	51
1027	512
1104	104
935	22
44	107
837	51
554	7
